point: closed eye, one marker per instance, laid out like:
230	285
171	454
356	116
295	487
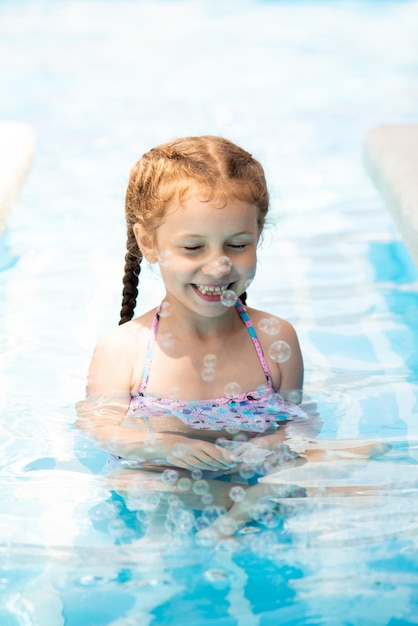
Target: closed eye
237	246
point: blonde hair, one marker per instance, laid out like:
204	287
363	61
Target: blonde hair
169	172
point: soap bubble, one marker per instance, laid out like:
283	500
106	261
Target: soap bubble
232	389
237	493
211	513
280	351
200	487
207	498
228	298
165	309
164	257
246	472
174	501
197	474
293	395
207	538
240	437
228	526
169	477
208	374
174	393
232	430
150	501
270	325
269	519
210	360
166	340
184	484
218	268
218	577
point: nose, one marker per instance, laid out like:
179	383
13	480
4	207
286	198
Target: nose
218	267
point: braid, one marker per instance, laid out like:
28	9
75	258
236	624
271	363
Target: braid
133	259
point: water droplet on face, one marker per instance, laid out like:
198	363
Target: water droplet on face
164	257
210	360
237	494
232	389
270	325
208	374
218	268
280	351
228	298
165	309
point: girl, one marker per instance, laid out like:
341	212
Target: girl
201	384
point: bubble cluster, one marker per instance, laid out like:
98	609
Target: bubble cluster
228	298
232	389
210	360
218	268
166	340
208	374
165	309
270	325
280	351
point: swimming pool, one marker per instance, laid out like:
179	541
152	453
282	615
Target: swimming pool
298	83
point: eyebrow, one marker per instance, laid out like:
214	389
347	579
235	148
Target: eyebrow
196	236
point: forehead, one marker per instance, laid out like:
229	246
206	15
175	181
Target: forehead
199	214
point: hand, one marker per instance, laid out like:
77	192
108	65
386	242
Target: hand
196	454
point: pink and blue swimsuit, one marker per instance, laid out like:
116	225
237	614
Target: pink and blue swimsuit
253	412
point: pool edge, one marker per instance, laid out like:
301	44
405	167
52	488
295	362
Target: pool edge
17	141
391	159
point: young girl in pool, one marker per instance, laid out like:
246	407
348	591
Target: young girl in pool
201	384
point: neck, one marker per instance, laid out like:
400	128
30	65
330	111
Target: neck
184	322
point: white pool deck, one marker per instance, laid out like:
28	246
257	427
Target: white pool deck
391	157
17	146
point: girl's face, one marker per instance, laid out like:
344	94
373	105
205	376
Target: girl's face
205	248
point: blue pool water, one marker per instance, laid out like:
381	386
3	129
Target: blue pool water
299	84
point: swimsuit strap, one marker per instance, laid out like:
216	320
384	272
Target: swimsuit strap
245	318
150	351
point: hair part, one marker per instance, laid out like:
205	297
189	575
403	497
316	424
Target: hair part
171	172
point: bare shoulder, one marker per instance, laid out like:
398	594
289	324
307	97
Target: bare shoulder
118	353
272	326
287	365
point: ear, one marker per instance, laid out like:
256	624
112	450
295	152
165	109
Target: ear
145	243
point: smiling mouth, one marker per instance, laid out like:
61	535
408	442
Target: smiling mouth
211	290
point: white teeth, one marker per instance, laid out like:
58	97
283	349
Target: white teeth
213	290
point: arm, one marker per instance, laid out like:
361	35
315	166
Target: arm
101	415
